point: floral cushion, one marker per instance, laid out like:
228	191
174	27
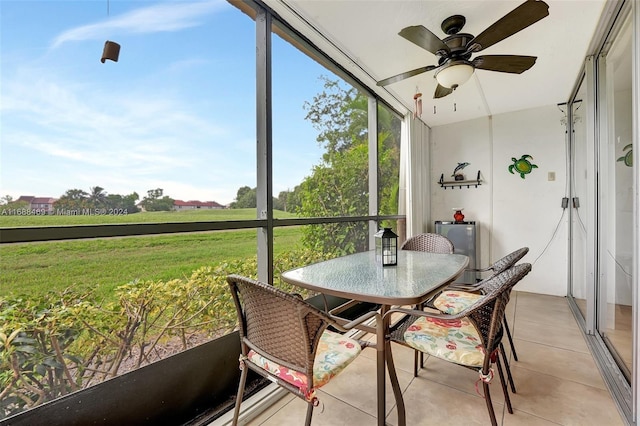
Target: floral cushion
334	353
452	340
451	302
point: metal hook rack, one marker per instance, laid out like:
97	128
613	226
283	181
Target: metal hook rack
460	183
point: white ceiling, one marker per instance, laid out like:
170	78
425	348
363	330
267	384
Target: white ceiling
363	36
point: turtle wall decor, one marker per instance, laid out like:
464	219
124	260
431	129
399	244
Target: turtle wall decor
628	157
522	165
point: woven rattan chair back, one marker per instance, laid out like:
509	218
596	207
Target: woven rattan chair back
509	260
487	313
497	267
432	243
276	324
280	328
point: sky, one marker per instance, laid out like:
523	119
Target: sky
177	111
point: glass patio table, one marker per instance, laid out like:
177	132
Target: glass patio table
417	276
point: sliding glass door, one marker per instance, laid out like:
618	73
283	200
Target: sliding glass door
579	147
602	204
614	307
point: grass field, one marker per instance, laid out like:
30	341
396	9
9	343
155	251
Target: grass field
103	264
10	221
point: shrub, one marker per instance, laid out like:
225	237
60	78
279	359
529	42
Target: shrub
57	343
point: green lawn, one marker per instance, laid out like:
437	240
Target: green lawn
103	264
9	221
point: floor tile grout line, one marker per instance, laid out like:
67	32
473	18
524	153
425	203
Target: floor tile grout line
353	406
536	416
552	346
565	379
474	393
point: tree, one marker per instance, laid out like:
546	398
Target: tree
280	203
293	199
338	186
337	189
388	160
8	203
339	114
125	203
155	201
97	197
73	199
245	198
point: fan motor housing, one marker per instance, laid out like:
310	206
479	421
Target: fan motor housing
458	44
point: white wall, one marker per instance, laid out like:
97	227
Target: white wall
512	212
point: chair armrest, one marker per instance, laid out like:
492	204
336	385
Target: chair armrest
345	325
419	313
361	319
463	287
488	268
342	307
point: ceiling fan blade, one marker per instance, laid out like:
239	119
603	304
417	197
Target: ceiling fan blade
406	74
424	38
528	13
441	92
514	64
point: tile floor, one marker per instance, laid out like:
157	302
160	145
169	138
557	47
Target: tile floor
556	378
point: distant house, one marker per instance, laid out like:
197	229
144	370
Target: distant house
42	205
180	205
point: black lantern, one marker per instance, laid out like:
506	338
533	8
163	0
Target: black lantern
386	247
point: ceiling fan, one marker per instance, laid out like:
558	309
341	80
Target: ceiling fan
455	65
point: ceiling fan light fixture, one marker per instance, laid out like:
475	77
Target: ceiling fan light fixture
454	74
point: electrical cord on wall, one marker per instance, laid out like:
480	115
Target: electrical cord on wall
563	121
551	239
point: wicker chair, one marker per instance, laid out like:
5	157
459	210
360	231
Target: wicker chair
284	339
497	267
432	243
457	296
470	338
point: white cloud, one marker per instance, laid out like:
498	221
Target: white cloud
83	136
165	17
